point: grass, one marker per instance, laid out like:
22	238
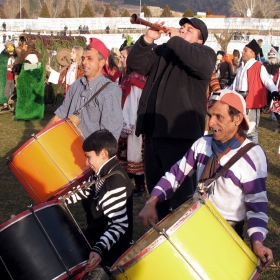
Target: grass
14	199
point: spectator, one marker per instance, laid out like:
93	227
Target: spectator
272	65
226	71
251	81
235	61
240	192
72	72
111	70
4	38
172	106
4	26
131	146
260	55
107	29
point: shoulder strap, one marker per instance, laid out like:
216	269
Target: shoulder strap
231	161
77	112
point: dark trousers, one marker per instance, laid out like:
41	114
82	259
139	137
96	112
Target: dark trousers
159	156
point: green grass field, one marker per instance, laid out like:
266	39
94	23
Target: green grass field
14	199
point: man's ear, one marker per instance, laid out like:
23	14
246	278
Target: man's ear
238	119
101	63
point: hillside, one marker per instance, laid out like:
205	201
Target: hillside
55	7
217	6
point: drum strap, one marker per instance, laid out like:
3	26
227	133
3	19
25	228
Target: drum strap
77	112
205	184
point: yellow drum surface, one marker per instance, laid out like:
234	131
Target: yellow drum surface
51	160
200	245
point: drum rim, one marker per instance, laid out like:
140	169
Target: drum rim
32	139
73	269
193	208
27	212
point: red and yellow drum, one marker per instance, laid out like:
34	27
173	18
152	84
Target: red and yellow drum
50	162
43	243
195	242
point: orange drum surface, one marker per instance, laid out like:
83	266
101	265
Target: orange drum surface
50	162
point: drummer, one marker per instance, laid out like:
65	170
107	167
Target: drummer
110	223
104	112
238	193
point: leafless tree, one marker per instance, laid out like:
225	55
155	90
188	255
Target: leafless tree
268	8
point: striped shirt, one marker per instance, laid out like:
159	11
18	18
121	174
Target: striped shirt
239	193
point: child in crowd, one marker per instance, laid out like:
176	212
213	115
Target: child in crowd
109	210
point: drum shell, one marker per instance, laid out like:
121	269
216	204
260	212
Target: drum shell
201	245
26	252
52	161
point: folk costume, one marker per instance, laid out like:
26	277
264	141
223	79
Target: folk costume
67	76
130	152
251	81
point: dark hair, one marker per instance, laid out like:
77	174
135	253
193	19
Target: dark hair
111	61
101	139
88	48
200	36
126	70
236	53
221	52
234	112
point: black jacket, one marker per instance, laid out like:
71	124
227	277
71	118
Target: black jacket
173	102
112	212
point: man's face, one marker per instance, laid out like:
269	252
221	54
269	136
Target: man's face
247	54
190	33
221	123
91	64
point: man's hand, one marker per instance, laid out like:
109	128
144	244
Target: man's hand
149	211
275	95
93	261
264	253
153	34
172	31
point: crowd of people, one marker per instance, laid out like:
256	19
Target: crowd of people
145	115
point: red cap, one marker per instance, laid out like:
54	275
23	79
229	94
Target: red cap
236	101
99	46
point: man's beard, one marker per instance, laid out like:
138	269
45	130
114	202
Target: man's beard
273	61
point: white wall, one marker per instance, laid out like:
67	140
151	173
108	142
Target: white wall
120	24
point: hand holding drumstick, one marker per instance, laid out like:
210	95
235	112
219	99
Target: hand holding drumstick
93	261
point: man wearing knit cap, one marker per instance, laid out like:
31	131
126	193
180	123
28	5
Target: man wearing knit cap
172	107
103	112
240	192
251	82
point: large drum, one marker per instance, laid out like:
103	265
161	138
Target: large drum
51	162
42	243
194	242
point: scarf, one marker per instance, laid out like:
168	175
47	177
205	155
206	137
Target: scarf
220	149
133	78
